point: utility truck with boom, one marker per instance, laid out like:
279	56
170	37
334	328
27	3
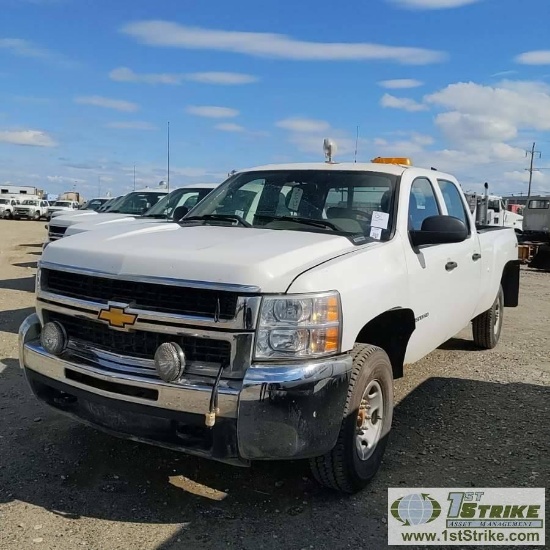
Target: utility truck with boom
270	322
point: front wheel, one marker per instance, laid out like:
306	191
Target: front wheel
366	424
487	326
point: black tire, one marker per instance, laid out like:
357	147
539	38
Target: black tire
36	216
342	469
487	326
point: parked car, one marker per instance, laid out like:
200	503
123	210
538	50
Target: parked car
32	209
94	204
7	206
170	208
131	205
270	322
62	206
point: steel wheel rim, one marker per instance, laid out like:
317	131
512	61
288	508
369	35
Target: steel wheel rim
498	317
369	420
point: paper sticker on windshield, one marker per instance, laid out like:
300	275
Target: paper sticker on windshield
239	213
380	219
295	198
376	233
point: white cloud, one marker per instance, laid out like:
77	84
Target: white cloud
537	57
222	78
125	74
521	104
132	125
464	128
107	103
297	124
400	83
271	45
434	4
33	138
230	127
26	48
211	111
403	103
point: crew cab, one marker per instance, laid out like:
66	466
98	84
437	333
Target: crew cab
270	322
7	206
131	205
33	209
170	208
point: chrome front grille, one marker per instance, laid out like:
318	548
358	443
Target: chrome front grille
149	296
56	232
142	344
210	339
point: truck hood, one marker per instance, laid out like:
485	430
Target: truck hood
266	259
127	223
72	219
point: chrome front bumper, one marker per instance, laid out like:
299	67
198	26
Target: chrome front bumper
276	412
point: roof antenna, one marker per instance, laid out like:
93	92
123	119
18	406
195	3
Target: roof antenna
356	142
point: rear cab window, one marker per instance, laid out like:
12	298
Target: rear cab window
453	201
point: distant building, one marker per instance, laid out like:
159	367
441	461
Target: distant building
20	190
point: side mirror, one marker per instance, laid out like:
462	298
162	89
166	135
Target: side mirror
179	212
440	230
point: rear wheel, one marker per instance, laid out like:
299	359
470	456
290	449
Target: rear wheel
366	424
486	328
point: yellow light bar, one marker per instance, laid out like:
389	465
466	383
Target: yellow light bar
393	160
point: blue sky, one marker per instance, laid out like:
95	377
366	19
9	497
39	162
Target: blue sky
87	88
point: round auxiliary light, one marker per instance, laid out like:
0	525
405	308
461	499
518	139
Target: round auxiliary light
169	361
54	338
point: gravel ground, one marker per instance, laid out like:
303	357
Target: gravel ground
463	418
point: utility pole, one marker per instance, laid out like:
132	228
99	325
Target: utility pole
134	177
99	186
532	152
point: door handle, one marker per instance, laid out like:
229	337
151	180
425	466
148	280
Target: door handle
449	266
476	257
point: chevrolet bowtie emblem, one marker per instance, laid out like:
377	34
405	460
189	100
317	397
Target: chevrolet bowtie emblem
117	317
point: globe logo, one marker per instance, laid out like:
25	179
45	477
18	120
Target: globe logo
415	509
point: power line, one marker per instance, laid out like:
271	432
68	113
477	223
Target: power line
532	153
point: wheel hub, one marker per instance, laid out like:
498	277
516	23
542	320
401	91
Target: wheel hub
369	420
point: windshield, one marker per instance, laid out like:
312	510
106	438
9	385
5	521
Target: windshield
62	203
30	202
4	201
185	196
94	204
137	202
341	202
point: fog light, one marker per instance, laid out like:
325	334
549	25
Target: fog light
53	338
169	361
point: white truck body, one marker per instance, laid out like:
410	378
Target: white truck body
282	387
62	206
32	209
7	206
164	210
131	205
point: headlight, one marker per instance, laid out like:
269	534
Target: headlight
299	326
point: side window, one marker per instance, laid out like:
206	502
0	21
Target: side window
422	203
453	200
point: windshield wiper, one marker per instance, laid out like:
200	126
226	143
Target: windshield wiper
305	221
218	217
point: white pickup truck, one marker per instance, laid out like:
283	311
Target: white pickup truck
63	206
7	206
32	209
270	322
133	204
